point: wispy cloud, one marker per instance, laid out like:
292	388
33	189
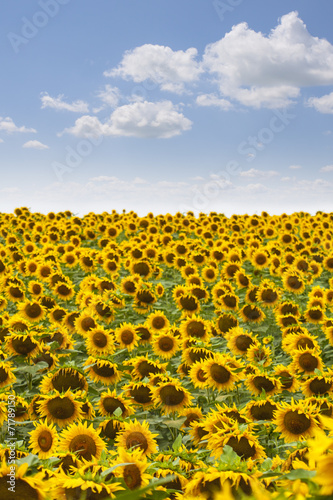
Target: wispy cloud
9	126
35	145
59	104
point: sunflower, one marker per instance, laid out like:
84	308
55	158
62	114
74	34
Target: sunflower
111	428
252	314
328	263
144	367
23	486
245	444
195	327
209	274
239	340
165	345
110	401
144	298
197	375
22	344
298	341
288	380
60	408
257	382
102	370
296	420
225	322
137	436
192	414
259	354
314	315
64	290
31	311
127	336
140	393
64	379
128	285
306	360
316	385
100	342
171	396
293	281
242	279
7	376
261	409
188	304
145	335
21	409
82	440
260	259
268	294
85	322
43	440
219	373
131	468
157	322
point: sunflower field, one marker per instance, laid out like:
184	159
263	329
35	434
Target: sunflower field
166	356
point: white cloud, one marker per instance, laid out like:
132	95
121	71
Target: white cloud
327	168
285	179
35	145
258	173
9	126
213	100
167	68
1	140
295	167
262	70
59	104
140	119
110	96
322	104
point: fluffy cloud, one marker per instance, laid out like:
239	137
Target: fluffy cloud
322	104
327	168
258	173
140	119
167	68
295	167
268	70
59	104
213	100
35	145
109	95
9	126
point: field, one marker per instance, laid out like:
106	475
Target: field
166	356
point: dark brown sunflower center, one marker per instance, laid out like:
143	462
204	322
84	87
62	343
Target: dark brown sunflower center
171	396
319	386
111	429
61	408
100	339
33	310
64	290
308	362
296	423
62	381
141	394
261	259
22	490
141	268
200	375
84	446
145	296
132	476
166	344
286	379
219	373
243	342
305	343
263	412
145	368
269	296
188	303
226	322
196	329
127	337
315	314
45	440
158	322
242	447
3	375
261	382
129	286
329	263
137	440
23	346
16	292
294	283
88	324
251	313
111	404
103	310
229	300
103	370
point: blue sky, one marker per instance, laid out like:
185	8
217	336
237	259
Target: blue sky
167	106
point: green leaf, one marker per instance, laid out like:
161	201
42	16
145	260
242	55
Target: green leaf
299	474
177	443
